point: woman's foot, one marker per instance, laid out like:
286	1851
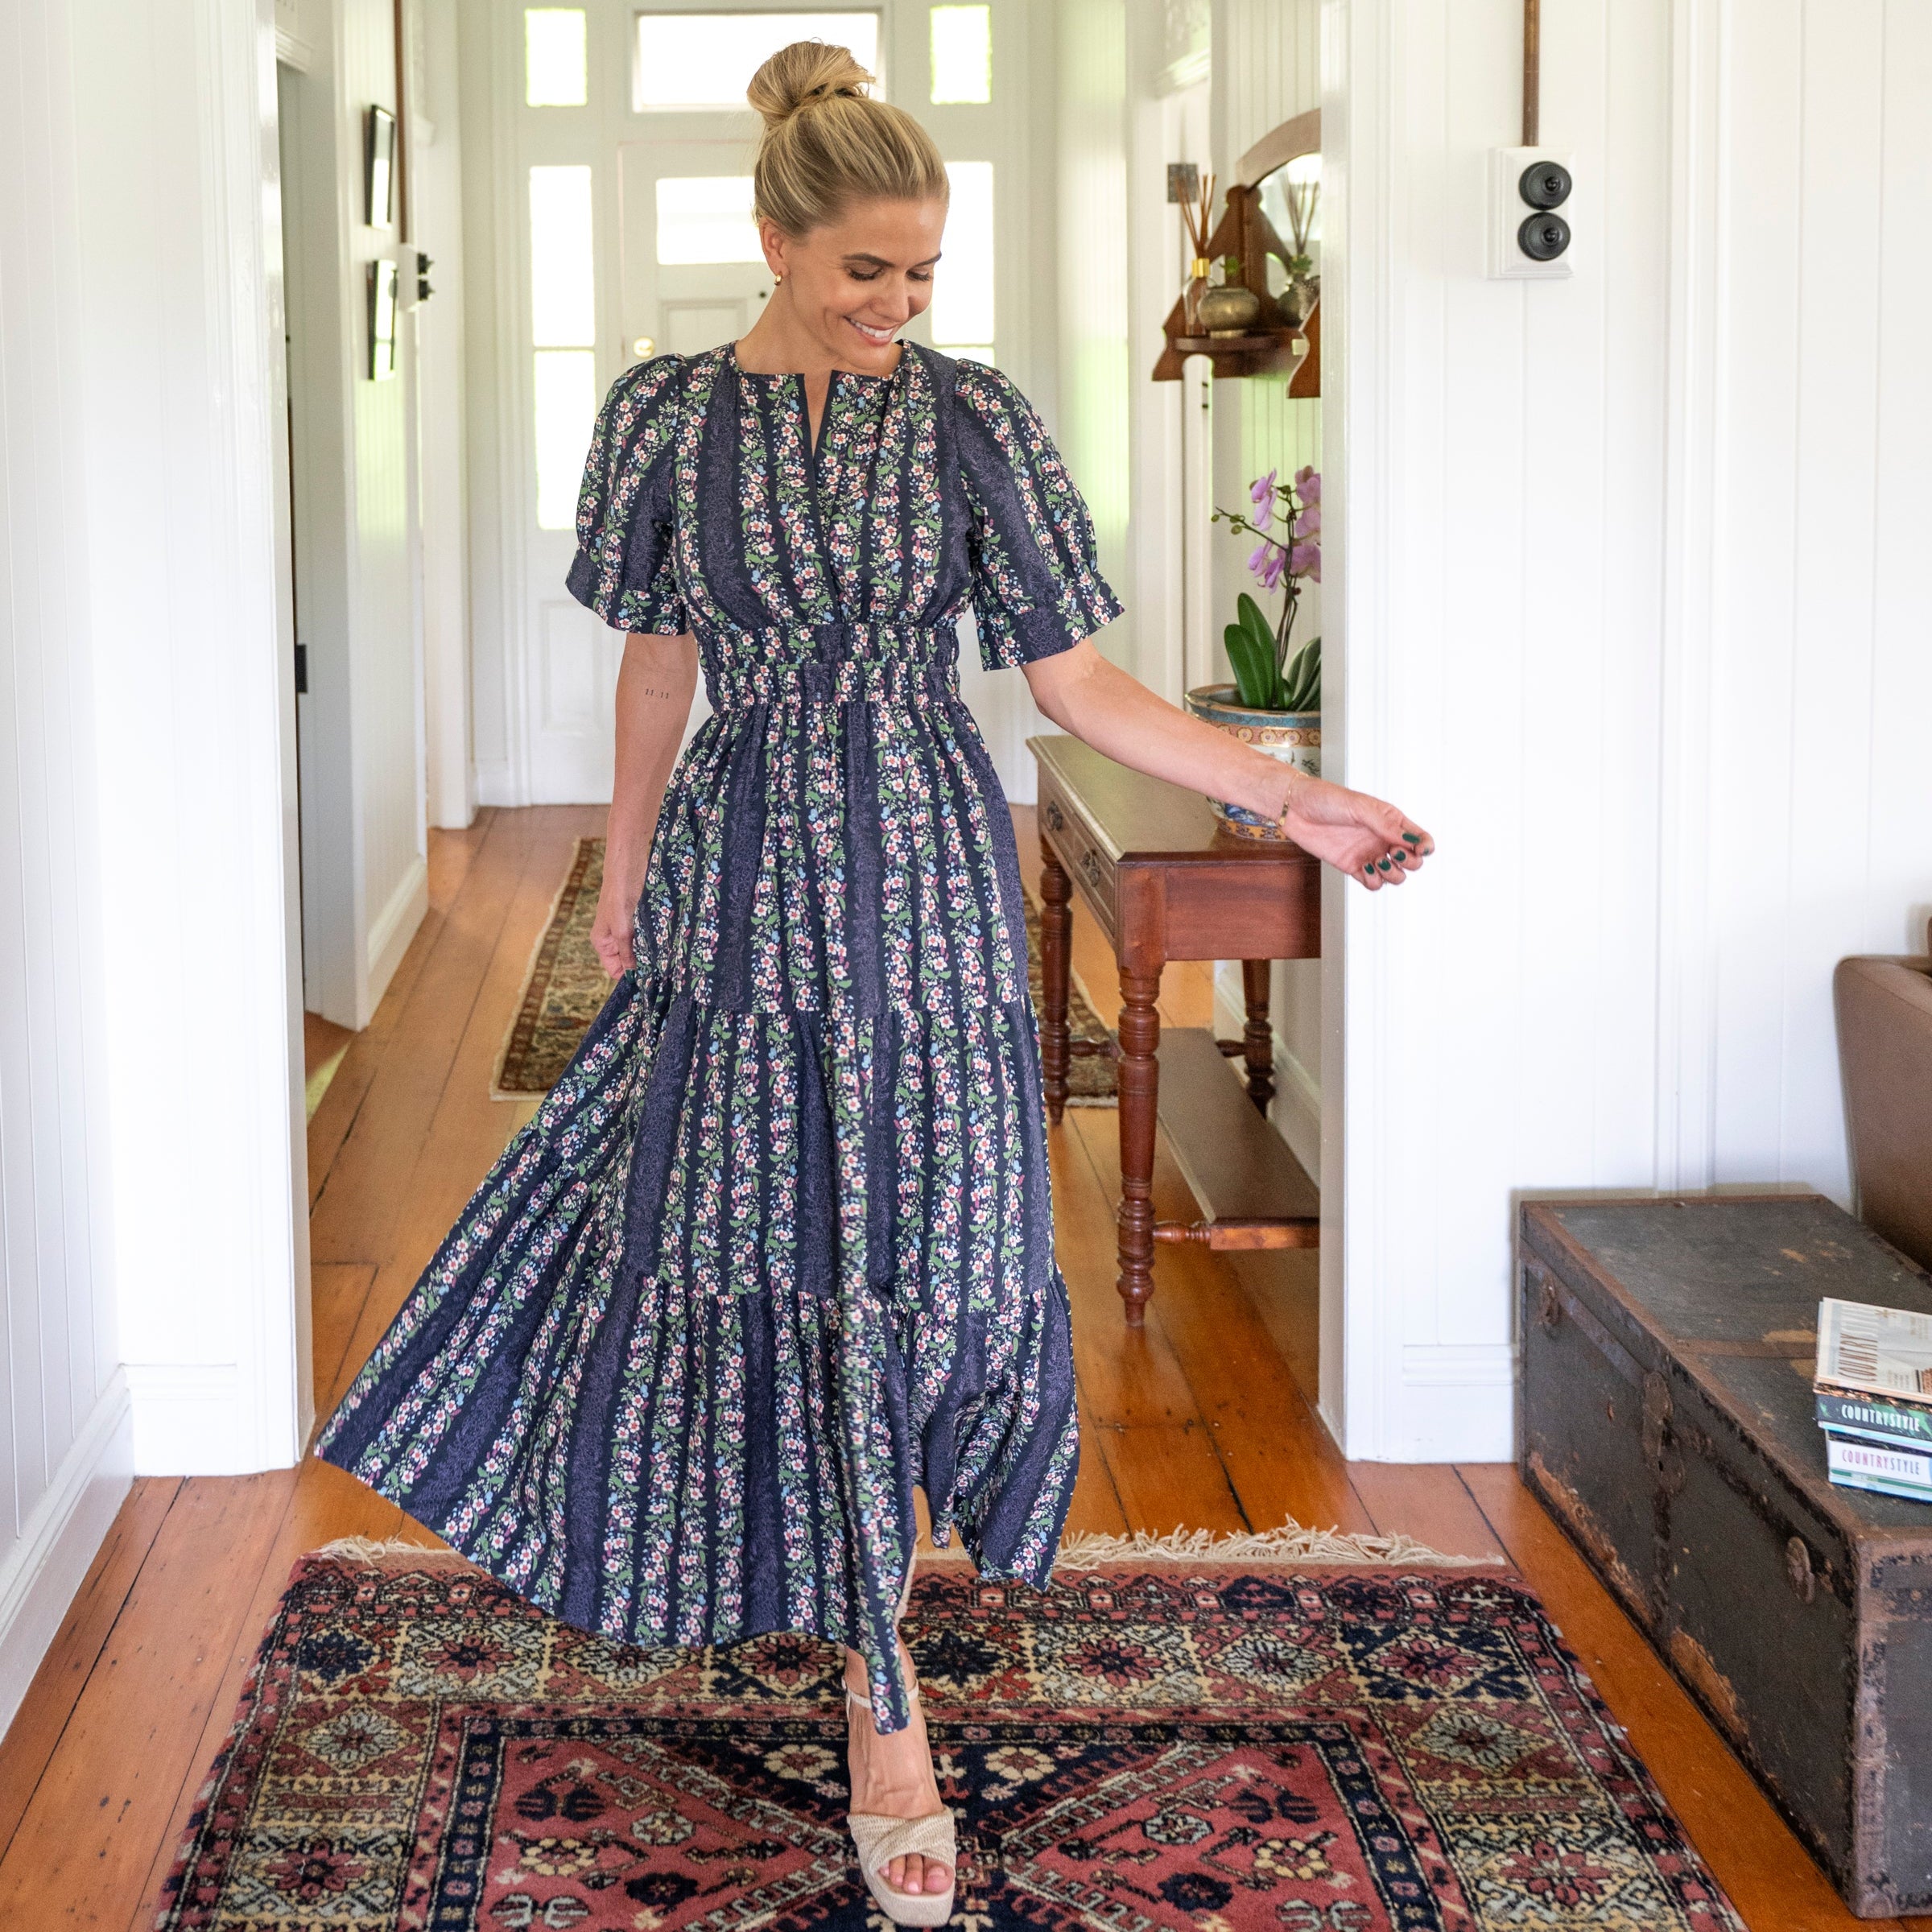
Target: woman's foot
893	1774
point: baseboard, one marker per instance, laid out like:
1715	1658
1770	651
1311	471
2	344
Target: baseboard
184	1419
496	782
1297	1108
393	928
1458	1403
41	1575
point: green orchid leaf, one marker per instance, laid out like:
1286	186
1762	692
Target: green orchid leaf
1303	678
1254	619
1303	674
1251	677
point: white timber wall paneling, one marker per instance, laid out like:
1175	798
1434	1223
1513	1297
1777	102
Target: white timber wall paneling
180	403
65	1433
1631	618
1495	460
1803	626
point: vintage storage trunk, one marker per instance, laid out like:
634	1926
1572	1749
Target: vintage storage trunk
1667	1423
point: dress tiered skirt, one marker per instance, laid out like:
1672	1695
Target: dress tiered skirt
777	1247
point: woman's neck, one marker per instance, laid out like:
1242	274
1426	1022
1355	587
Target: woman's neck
779	344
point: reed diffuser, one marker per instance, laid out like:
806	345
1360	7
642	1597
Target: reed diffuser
1195	212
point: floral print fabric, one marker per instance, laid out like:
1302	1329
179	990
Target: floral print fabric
778	1246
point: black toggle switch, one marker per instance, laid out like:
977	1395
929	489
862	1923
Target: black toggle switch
1545	184
1543	237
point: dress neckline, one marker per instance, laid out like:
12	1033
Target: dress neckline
797	375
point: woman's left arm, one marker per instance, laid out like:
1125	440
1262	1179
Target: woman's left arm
1092	697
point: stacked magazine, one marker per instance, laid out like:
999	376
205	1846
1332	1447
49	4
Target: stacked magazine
1874	1392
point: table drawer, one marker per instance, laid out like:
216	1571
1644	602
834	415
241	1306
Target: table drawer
1080	852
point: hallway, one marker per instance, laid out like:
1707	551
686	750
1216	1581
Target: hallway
98	1773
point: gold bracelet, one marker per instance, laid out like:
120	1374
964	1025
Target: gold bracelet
1281	819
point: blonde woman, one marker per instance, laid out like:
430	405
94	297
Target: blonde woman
778	1249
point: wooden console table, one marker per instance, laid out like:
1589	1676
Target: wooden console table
1166	882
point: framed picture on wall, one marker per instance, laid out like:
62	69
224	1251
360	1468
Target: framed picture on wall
379	168
381	320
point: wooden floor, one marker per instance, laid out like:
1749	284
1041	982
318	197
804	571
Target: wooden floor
1201	1421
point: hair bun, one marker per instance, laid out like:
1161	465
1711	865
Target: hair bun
800	75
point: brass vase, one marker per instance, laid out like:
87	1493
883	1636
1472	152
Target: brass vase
1229	309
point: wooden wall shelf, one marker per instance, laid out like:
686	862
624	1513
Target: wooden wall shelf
1265	352
1273	347
1244	231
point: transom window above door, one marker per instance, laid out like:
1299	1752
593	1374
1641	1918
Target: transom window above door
684	61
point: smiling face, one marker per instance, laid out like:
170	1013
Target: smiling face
852	284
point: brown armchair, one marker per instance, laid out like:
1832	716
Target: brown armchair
1885	1044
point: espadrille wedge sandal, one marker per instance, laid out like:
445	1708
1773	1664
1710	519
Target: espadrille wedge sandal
880	1837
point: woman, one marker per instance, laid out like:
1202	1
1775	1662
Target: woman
777	1247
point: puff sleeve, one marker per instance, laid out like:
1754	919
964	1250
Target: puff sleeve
1036	588
625	568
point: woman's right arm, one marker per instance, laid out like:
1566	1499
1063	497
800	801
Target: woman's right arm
656	683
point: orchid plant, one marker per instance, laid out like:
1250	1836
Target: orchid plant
1264	675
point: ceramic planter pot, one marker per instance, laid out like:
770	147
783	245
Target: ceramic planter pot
1294	736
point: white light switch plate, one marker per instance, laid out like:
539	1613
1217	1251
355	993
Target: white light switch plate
1508	211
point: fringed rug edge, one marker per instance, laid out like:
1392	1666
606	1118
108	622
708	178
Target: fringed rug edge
1291	1542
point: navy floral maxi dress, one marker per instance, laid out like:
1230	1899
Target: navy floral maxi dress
778	1244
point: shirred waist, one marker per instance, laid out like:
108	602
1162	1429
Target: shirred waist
846	663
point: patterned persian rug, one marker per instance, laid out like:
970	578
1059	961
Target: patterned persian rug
566	988
1160	1746
563	991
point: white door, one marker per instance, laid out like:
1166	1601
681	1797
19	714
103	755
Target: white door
691	273
624	195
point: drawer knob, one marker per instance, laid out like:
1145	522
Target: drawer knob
1054	816
1090	864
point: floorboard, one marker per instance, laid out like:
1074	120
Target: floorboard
1204	1419
103	1806
450	856
40	1724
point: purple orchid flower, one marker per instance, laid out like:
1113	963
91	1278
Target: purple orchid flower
1305	560
1308	483
1261	495
1309	523
1269	564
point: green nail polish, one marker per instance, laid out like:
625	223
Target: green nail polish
1410	838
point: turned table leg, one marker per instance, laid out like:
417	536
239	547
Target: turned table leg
1056	928
1258	1036
1139	1074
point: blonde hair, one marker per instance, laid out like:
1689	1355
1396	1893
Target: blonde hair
826	144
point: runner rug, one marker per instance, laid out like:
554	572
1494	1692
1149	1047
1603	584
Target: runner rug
1213	1746
566	987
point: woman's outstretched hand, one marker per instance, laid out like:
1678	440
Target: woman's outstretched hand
1364	836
